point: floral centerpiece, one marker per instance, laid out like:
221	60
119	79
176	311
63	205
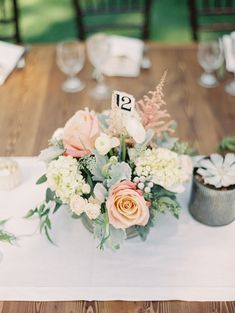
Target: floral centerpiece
114	170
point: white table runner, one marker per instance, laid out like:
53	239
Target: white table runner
182	259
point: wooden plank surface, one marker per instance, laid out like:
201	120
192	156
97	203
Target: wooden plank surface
32	105
118	307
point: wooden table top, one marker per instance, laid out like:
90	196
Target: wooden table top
32	106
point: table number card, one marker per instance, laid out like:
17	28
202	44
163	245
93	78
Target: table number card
124	101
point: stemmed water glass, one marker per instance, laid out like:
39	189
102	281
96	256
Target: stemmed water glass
210	57
70	60
230	87
98	49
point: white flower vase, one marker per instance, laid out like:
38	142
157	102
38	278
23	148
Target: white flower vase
212	207
130	232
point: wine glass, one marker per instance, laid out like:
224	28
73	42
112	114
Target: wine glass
210	57
230	87
70	60
98	49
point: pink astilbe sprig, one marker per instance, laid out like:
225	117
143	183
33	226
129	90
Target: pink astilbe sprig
153	116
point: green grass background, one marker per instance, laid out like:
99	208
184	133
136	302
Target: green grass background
53	20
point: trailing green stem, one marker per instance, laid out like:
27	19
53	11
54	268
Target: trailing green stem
123	148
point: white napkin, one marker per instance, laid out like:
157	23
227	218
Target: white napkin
228	53
10	54
125	57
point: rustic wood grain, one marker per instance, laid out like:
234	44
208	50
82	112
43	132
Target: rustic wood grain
118	307
32	105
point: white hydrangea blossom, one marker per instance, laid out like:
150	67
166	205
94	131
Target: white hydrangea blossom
160	166
65	178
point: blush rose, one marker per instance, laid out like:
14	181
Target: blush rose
80	133
126	205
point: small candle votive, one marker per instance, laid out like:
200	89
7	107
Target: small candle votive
9	174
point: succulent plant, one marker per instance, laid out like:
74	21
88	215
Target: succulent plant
182	147
227	144
217	170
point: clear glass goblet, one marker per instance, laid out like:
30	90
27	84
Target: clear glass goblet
98	49
70	59
210	57
230	87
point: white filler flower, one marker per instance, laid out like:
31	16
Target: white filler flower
65	178
93	208
218	171
135	129
104	143
78	204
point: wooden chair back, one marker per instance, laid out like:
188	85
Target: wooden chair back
211	16
99	10
9	21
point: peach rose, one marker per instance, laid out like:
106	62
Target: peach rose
80	133
126	205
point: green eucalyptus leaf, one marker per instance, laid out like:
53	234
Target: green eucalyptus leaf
57	207
41	180
118	172
88	178
7	237
48	222
101	229
116	238
75	216
158	191
31	213
50	195
48	235
41	209
44	213
3	222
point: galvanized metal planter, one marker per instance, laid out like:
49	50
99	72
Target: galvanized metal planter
130	232
212	207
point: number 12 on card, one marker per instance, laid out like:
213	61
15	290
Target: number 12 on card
124	101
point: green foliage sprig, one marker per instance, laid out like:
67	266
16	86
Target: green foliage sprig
6	236
227	144
182	147
45	210
162	201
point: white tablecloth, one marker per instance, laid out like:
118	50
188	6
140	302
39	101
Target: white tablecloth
182	259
